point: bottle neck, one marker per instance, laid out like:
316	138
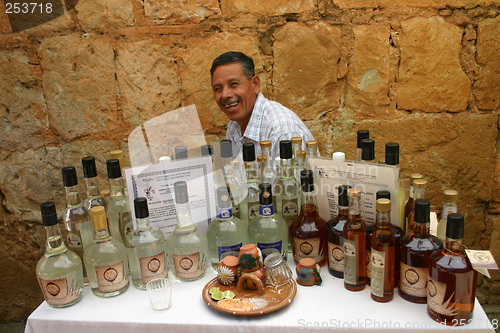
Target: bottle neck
383	220
101	235
92	186
297	155
354	206
225	213
251	171
419	193
286	168
55	243
308	199
421	228
143	223
343	211
116	187
453	245
72	196
183	215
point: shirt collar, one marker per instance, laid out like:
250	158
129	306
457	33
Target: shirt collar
253	128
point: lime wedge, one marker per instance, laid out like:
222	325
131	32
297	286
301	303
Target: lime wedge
218	295
213	290
229	294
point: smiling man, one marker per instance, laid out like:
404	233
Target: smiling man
253	118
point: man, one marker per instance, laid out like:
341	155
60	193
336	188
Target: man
253	118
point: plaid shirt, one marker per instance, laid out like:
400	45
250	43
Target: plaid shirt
269	121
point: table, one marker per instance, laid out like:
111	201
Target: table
318	308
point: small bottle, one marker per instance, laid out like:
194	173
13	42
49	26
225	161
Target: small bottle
335	228
368	150
287	187
450	198
419	189
268	230
227	234
231	181
146	248
383	255
59	271
451	288
268	174
354	244
119	217
361	135
411	201
416	249
297	160
106	259
249	207
311	151
94	196
187	246
308	231
180	153
392	158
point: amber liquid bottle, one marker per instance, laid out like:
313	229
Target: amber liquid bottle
334	228
308	231
451	289
416	249
354	244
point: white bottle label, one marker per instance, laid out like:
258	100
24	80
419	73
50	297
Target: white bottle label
188	266
58	293
377	264
73	240
111	278
153	267
336	257
290	209
350	260
413	280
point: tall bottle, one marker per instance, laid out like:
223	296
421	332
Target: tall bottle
411	201
94	196
187	246
59	271
311	151
335	228
392	158
383	255
287	187
106	259
231	181
308	231
451	288
268	230
354	244
361	135
76	219
416	249
297	158
450	198
227	233
119	217
146	248
419	189
268	174
249	207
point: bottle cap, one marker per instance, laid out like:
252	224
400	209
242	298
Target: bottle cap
180	152
297	140
450	196
285	149
311	144
265	144
207	150
181	192
164	159
338	155
342	195
414	176
223	199
141	208
422	211
306	180
105	193
392	153
89	168
49	215
354	193
260	158
266	194
455	226
420	183
69	176
383	205
368	149
362	134
99	220
114	170
248	152
383	194
226	149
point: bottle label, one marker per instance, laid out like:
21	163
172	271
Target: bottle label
230	250
58	293
266	210
253	210
435	299
153	267
224	213
308	248
268	248
413	280
188	266
73	240
377	263
350	259
336	257
111	278
290	209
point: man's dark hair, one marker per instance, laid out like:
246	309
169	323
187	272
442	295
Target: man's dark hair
232	57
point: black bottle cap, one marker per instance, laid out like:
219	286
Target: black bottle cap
392	153
307	180
383	194
248	152
207	150
180	152
422	211
226	148
342	192
181	192
69	176
362	134
455	226
368	149
285	149
141	208
266	194
89	168
223	198
114	170
49	215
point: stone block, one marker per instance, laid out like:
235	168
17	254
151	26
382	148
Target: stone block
430	76
181	10
344	4
104	15
266	8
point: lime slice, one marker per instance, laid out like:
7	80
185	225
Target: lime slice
213	290
218	295
229	294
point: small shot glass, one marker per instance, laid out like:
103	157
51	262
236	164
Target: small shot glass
160	293
277	271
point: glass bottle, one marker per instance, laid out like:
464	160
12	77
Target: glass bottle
368	150
383	255
106	259
180	153
450	198
268	174
411	201
354	244
119	217
59	271
146	248
392	158
297	159
231	181
361	135
249	207
76	219
308	231
416	249
451	288
94	196
335	227
187	246
419	189
227	233
311	151
287	187
268	230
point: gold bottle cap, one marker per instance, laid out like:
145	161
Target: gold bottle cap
312	144
414	176
265	144
419	183
297	140
303	153
260	159
450	196
105	193
98	214
383	205
354	192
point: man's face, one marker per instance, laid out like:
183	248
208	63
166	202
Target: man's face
234	92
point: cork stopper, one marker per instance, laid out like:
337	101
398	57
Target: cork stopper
312	144
354	193
420	183
98	214
265	144
383	205
450	196
297	140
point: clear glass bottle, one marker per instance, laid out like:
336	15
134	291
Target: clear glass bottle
361	135
76	220
59	271
450	198
451	288
419	189
146	248
94	196
106	259
392	158
187	246
230	178
311	151
383	254
297	158
287	187
268	174
416	249
227	233
268	230
335	227
119	217
249	207
354	244
308	231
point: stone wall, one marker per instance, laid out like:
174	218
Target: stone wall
425	74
